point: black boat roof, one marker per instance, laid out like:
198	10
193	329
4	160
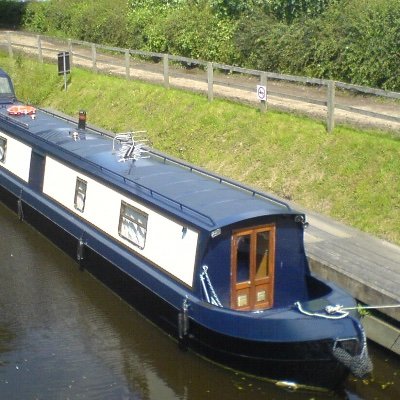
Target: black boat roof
205	199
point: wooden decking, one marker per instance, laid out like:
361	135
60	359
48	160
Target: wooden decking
367	267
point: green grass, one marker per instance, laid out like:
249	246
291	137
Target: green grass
351	175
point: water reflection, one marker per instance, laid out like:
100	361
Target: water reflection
6	339
63	335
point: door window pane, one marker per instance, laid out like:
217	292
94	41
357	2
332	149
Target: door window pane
243	258
262	249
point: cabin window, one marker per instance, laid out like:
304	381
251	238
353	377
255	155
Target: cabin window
37	171
133	225
5	87
80	194
3	149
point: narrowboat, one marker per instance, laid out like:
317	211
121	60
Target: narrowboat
219	266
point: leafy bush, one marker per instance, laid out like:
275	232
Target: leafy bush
145	30
231	8
190	30
34	18
84	20
93	22
194	31
11	14
372	52
290	10
355	41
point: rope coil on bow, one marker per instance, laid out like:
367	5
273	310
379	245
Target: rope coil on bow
330	310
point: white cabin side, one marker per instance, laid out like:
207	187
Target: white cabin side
15	156
169	245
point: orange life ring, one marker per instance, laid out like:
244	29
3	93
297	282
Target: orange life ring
21	110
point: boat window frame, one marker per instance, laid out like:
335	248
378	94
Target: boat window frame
3	145
6	88
129	222
78	191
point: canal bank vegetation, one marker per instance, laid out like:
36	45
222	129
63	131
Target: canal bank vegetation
351	175
353	41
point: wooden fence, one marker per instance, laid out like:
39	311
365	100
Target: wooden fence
318	97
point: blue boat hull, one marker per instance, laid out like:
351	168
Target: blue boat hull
309	363
215	264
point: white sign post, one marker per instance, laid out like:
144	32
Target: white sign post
64	66
262	92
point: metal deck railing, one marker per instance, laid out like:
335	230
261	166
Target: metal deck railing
165	158
181	163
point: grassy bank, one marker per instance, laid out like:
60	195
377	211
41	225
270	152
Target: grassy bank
351	175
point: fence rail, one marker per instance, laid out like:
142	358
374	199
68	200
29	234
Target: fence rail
322	98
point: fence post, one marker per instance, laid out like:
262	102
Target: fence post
263	82
210	80
70	52
10	49
330	106
127	64
94	57
39	46
166	70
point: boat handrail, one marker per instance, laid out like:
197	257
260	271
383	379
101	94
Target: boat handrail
14	121
220	179
153	193
191	167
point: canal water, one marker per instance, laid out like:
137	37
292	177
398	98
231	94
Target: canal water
63	335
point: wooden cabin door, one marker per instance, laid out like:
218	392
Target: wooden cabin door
253	265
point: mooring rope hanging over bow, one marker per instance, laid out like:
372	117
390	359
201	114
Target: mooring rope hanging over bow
359	364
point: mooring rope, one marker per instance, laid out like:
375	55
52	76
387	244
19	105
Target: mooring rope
359	364
342	314
340	310
369	307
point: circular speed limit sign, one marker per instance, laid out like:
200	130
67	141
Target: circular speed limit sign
261	92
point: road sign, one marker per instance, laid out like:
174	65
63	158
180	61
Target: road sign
262	93
63	63
64	67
